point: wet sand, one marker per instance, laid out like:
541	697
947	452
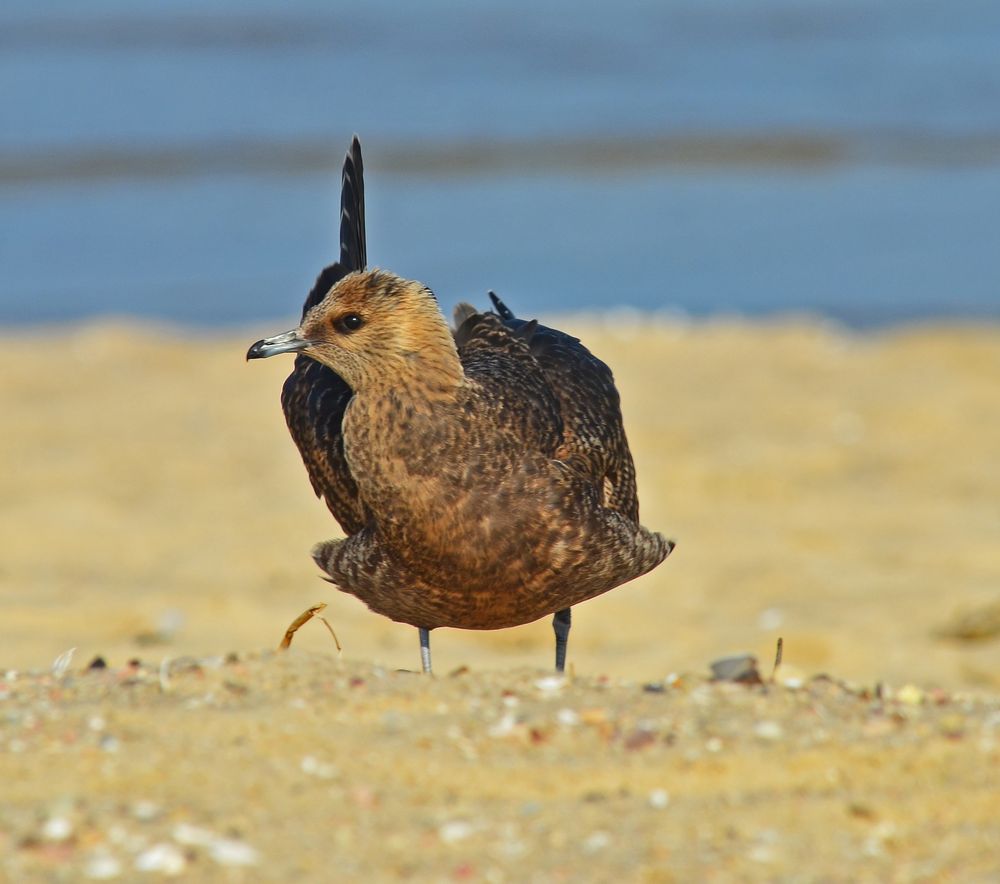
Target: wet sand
837	489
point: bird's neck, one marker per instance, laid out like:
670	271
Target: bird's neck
423	365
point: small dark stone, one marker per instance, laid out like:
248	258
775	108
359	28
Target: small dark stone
640	738
741	668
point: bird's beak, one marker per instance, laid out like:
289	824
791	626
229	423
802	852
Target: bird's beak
289	342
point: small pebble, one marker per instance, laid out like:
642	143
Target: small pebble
790	676
938	697
163	858
659	799
102	867
713	744
144	810
57	828
568	717
193	836
313	767
551	684
639	738
230	852
761	853
741	668
596	841
505	726
769	730
882	834
910	694
455	830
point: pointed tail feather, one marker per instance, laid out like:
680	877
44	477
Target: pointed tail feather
353	249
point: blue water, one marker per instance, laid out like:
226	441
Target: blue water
180	161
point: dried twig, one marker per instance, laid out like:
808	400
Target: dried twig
304	618
778	651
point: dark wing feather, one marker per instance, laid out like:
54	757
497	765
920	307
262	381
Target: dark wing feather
590	407
314	397
499	359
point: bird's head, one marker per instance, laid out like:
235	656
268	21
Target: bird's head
372	327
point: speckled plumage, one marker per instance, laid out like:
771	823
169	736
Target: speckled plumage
482	476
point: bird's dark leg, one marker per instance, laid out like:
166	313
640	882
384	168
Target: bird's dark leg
561	623
425	650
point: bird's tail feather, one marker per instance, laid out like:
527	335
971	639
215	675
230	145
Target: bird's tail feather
353	248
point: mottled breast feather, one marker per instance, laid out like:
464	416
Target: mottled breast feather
314	397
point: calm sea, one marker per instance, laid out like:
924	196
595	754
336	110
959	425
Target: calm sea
181	161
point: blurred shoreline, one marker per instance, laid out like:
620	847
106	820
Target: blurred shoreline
631	155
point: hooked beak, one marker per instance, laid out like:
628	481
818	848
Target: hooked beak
289	342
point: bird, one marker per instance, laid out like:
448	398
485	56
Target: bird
481	473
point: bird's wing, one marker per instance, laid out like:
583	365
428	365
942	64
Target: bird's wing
314	397
590	408
515	391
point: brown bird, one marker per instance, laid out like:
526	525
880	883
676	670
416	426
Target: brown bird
482	475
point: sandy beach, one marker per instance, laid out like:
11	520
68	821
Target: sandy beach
838	489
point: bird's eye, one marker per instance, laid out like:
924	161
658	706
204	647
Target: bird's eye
348	323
